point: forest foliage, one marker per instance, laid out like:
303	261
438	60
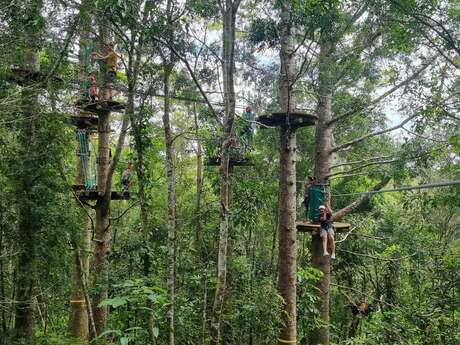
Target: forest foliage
395	108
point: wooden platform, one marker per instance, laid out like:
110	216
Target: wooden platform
304	226
99	106
84	194
85	121
215	161
294	119
93	195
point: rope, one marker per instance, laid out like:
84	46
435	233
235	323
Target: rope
405	188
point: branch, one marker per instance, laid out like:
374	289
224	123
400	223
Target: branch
360	161
125	211
192	74
384	95
360	201
389	161
370	135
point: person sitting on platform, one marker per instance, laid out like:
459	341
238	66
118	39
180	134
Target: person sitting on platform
126	179
93	91
326	231
110	57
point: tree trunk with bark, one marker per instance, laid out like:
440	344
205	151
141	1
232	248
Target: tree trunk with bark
199	191
78	320
287	232
229	10
323	162
24	327
171	267
103	228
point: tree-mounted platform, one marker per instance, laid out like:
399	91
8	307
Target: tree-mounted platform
306	226
292	119
215	161
87	195
99	106
86	121
25	77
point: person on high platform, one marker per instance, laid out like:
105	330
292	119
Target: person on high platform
93	90
126	179
110	57
326	230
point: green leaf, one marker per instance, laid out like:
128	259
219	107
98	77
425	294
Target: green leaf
156	332
114	302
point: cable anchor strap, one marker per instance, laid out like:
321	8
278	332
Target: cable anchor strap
75	301
287	341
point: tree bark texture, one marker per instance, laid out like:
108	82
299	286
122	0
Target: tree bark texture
78	319
323	162
171	266
103	228
287	232
199	191
24	331
229	11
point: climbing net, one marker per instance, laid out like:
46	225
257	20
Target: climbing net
88	160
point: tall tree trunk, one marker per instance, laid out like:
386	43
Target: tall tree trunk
78	320
199	191
103	228
323	161
171	275
229	11
27	236
287	232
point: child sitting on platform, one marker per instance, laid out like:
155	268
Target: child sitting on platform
326	231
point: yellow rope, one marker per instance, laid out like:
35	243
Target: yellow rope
77	301
287	341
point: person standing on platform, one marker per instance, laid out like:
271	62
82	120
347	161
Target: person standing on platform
326	230
110	57
126	179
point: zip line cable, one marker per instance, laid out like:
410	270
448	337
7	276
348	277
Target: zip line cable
404	188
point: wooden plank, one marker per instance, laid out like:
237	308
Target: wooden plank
99	106
93	195
295	119
85	121
304	226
